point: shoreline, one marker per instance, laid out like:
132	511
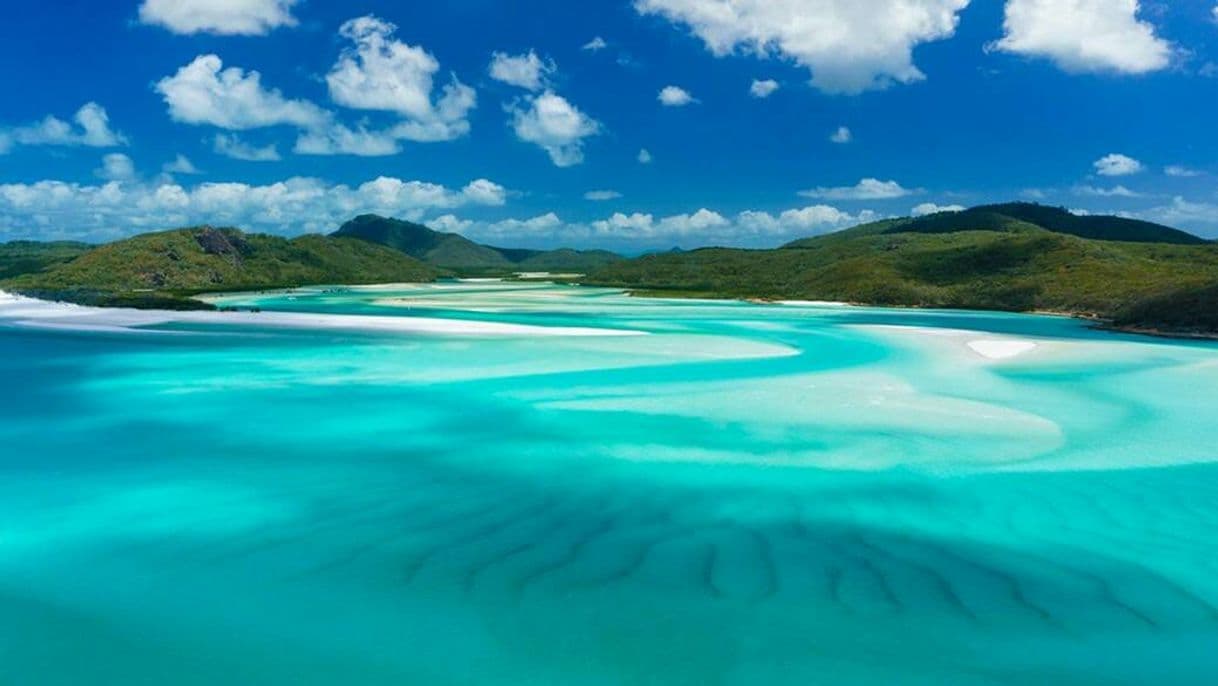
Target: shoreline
33	313
1093	321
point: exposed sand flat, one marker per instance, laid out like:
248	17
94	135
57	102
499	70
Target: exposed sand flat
812	303
1001	349
30	312
991	347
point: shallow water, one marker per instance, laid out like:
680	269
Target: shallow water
748	495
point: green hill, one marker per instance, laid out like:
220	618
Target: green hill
26	257
162	269
456	252
1000	262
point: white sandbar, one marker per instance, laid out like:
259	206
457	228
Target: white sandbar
30	312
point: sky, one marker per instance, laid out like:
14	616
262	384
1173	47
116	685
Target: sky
627	124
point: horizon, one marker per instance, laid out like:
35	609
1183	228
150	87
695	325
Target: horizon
529	128
643	251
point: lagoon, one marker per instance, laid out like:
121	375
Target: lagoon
481	482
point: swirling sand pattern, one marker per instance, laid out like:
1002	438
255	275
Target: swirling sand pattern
844	496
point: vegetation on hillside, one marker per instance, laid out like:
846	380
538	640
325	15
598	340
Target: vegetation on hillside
163	269
27	257
996	262
455	252
1019	216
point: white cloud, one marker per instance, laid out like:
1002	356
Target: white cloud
509	229
448	222
338	139
1179	171
232	146
645	156
1201	217
596	44
223	17
675	96
384	74
525	71
180	165
849	46
931	208
298	204
1114	192
116	167
92	129
866	189
1117	165
485	192
1085	35
601	196
763	89
751	227
841	136
203	92
551	122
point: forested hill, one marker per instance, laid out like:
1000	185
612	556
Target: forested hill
1136	274
162	269
456	252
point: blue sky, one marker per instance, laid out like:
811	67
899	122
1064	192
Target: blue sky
524	123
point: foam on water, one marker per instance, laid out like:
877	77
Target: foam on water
751	494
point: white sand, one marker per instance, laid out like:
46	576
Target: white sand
813	303
29	312
1001	349
991	347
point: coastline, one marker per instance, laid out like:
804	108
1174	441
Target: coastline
1094	321
34	313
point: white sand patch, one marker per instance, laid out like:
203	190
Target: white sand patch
1002	349
21	311
813	303
992	347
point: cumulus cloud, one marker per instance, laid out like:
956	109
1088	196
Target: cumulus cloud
381	73
639	229
338	139
554	124
601	196
848	46
58	209
222	17
644	156
763	89
525	71
180	165
232	146
931	208
596	44
675	96
1084	35
484	192
91	129
1201	217
204	92
116	167
866	189
1117	165
841	136
376	72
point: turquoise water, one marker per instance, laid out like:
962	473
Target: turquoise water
748	495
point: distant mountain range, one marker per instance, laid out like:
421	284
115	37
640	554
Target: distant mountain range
1014	257
455	252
